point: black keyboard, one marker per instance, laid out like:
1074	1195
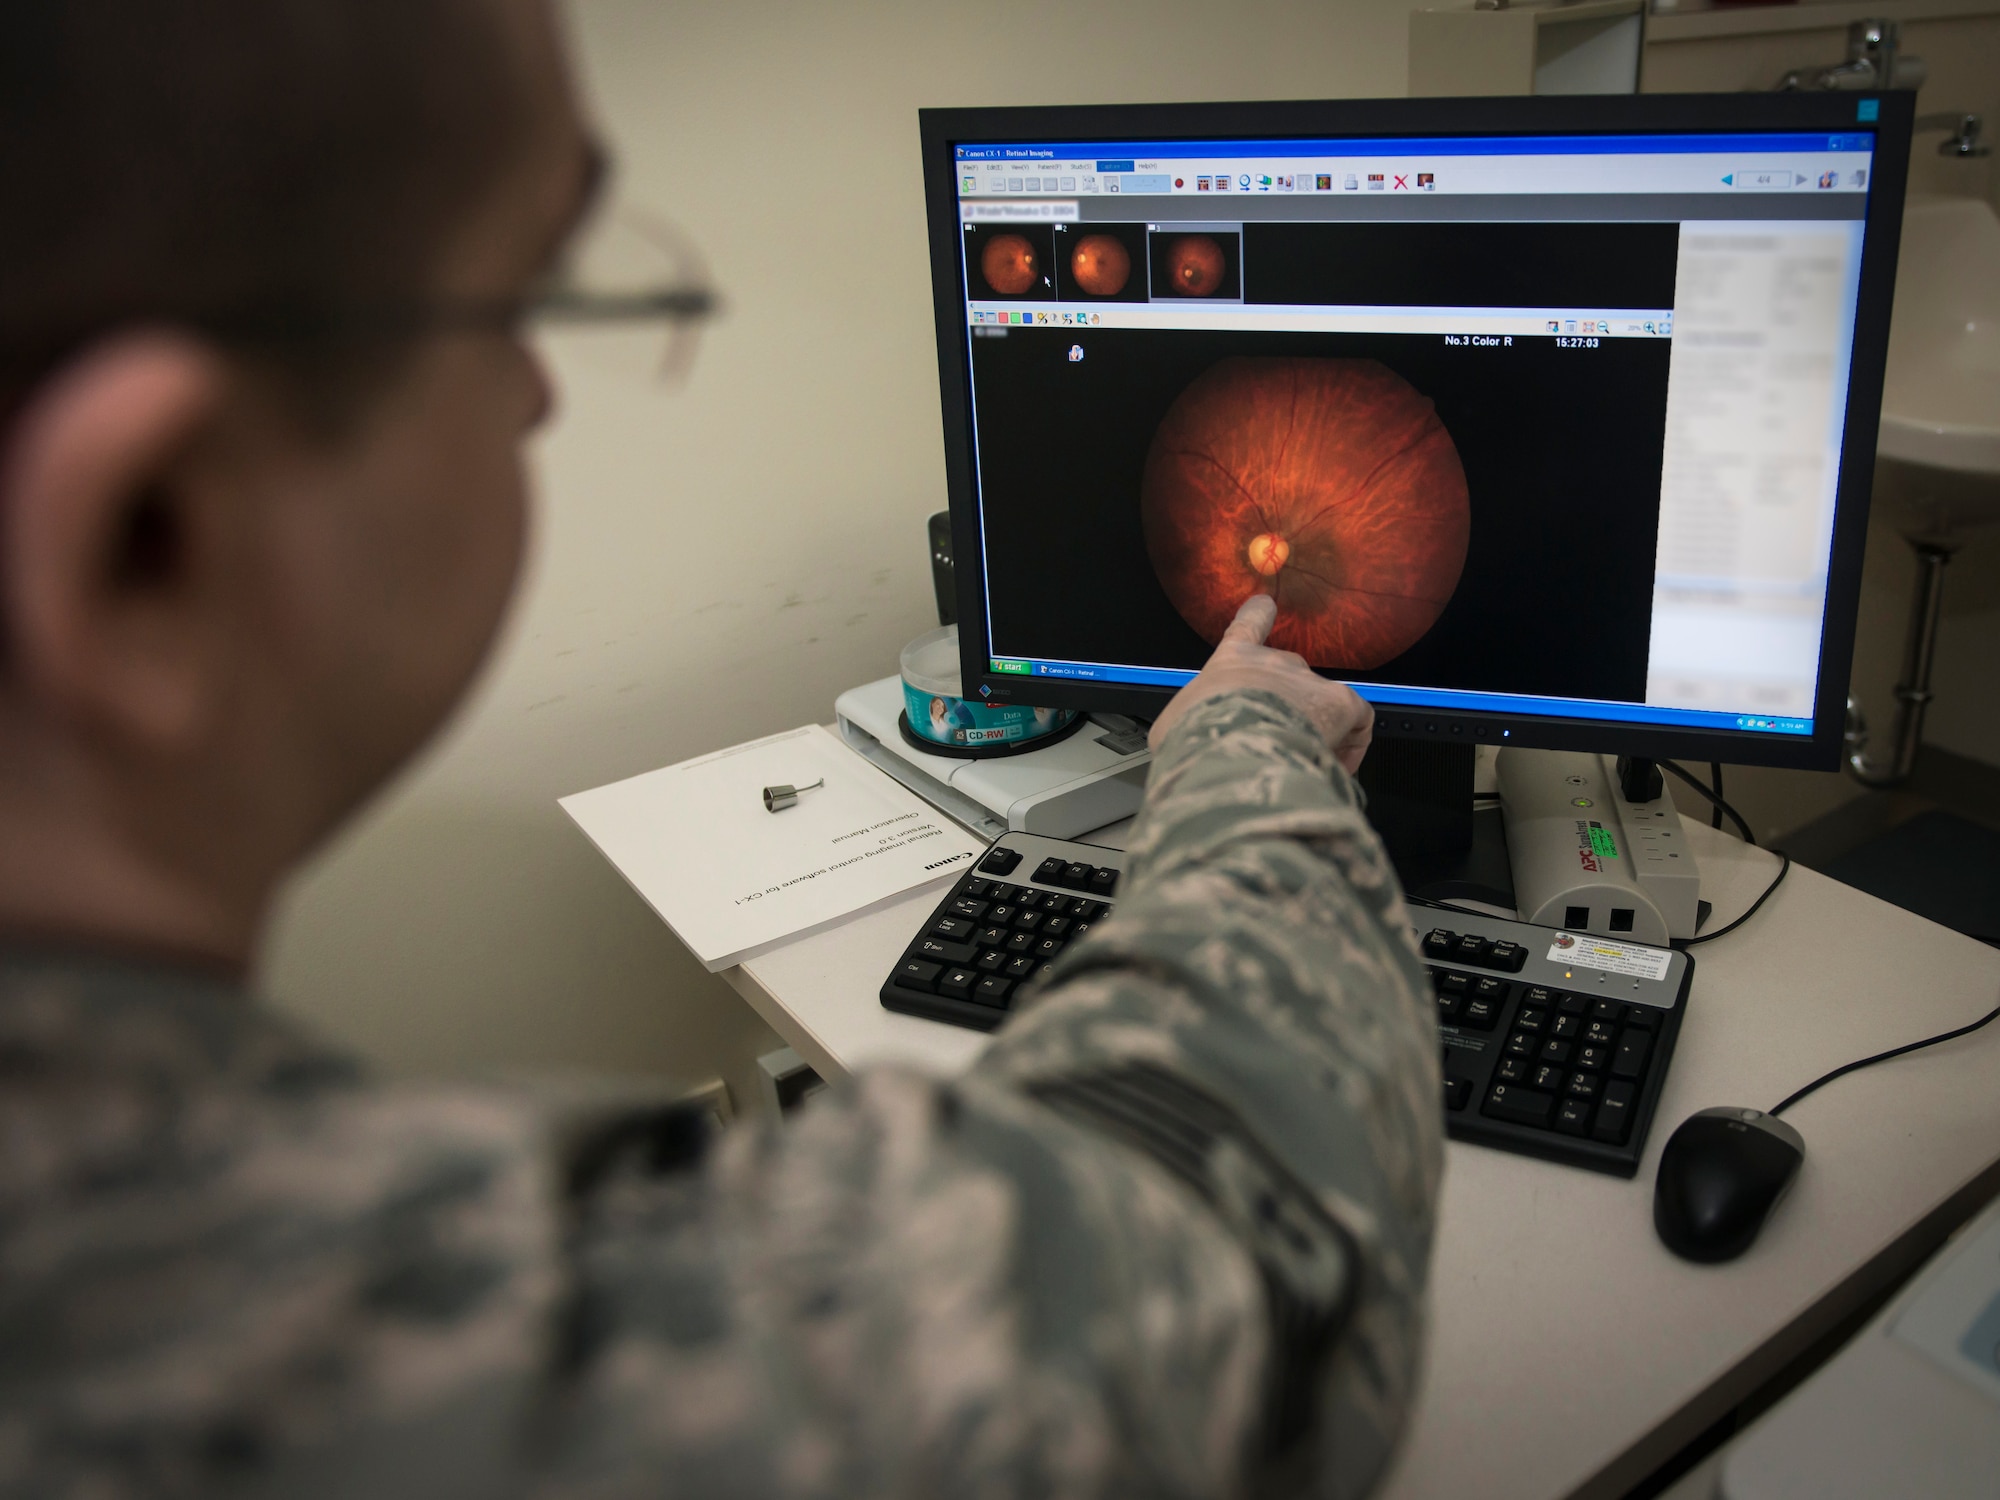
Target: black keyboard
1556	1044
1001	926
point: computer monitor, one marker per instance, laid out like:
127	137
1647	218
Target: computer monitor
1549	422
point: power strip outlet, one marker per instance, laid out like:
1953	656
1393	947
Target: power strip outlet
1587	860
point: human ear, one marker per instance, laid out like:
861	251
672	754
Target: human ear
108	537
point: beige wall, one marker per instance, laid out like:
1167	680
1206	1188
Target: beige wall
715	564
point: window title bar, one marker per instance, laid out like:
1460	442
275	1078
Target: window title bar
1115	156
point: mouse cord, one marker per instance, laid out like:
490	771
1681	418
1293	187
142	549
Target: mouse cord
1929	1041
1714	797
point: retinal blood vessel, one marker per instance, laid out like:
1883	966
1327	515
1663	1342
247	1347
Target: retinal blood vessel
1329	484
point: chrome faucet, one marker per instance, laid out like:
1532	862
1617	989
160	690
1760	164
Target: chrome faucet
1874	61
1963	133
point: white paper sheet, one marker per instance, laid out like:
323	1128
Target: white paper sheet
730	878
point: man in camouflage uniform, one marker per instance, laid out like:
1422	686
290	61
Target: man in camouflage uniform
1167	1236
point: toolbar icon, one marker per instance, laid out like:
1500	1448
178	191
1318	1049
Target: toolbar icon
1376	182
1427	181
1201	184
1350	182
1324	182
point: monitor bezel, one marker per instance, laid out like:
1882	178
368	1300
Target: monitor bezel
943	130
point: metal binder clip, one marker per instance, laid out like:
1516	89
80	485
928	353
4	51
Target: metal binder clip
778	798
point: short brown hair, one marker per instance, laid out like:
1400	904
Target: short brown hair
197	159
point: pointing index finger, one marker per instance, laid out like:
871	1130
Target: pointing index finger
1253	621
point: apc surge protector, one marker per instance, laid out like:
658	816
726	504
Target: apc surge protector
1585	858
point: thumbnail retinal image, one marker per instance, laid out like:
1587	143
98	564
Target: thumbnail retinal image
1196	265
1101	262
1330	484
1011	262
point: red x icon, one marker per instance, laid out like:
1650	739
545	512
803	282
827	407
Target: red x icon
1402	182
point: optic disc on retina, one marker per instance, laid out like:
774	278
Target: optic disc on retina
1269	552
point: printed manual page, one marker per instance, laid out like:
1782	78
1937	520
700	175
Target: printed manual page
731	879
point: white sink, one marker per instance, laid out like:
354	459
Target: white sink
1941	398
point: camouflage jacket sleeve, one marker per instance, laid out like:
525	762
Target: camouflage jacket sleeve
1169	1236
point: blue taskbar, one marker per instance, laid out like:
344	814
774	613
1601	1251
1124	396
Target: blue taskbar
1441	700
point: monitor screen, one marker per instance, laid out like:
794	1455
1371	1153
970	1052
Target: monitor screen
1521	430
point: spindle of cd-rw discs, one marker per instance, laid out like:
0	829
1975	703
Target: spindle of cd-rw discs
994	766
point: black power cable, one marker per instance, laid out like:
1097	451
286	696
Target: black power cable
1784	869
1715	780
1714	797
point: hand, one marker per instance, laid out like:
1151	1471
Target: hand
1341	715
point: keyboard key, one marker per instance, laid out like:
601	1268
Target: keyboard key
1512	1070
915	974
1518	1106
1043	971
990	937
1049	871
1471	948
1572	1004
1583	1085
1002	892
1522	1044
1020	942
1546	1077
1457	1091
1536	994
967	908
1019	967
1555	1052
1103	881
1002	914
1076	933
1573	1117
1080	906
1437	942
1489	988
1449	1006
1600	1033
1529	1019
1027	921
1608	1010
1642	1017
1454	984
938	951
1630	1059
992	990
1614	1114
1097	913
1593	1058
1482	1015
958	983
952	929
980	890
990	962
1056	926
1509	956
1000	861
1076	876
1049	947
1566	1028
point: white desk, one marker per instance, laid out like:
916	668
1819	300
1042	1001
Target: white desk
1570	1354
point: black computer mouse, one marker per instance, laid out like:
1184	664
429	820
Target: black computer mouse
1721	1174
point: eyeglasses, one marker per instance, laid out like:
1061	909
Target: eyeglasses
630	270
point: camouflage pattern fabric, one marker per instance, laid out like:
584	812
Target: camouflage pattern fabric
1167	1237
